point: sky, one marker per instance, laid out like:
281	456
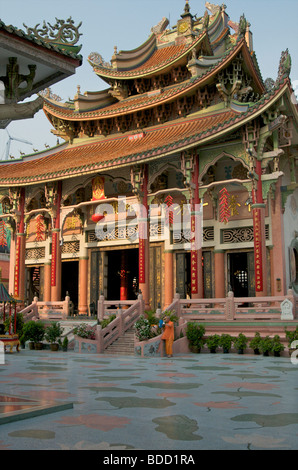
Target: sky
127	24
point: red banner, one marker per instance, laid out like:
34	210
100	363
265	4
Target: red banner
17	269
54	258
258	250
194	258
141	257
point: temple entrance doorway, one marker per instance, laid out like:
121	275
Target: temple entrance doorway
70	282
34	283
241	274
121	272
183	274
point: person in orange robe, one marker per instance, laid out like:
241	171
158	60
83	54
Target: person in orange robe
168	336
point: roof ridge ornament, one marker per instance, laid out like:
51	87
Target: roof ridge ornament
285	65
186	10
61	33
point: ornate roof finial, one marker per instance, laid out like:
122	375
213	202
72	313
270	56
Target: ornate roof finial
186	10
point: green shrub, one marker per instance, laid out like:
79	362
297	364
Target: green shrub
106	321
226	342
255	342
151	317
194	334
240	342
266	345
143	329
213	342
53	332
33	331
277	346
84	331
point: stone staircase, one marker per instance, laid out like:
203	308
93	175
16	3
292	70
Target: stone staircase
123	346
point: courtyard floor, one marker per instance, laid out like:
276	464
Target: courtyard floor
68	401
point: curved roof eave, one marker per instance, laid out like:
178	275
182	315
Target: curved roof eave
182	88
203	137
141	71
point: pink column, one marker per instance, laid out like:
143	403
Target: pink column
47	283
278	274
83	286
219	274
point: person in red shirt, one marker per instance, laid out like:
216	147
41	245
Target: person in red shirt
168	336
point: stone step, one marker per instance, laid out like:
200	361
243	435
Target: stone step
123	345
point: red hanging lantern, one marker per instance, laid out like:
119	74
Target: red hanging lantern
97	217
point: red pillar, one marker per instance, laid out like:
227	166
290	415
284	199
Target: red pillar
20	248
123	277
144	244
56	251
196	245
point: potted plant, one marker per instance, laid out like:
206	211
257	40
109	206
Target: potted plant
52	334
266	345
213	343
226	342
194	334
240	343
64	343
277	346
255	343
33	331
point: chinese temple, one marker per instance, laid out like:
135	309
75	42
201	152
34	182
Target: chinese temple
185	125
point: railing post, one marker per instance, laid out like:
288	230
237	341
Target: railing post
35	307
121	322
100	307
177	298
230	307
158	310
100	339
140	298
66	304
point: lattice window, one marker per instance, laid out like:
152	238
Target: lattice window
241	234
70	247
35	254
184	236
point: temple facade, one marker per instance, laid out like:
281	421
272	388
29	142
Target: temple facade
180	176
